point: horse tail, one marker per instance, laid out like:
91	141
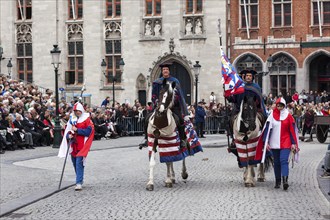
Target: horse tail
269	161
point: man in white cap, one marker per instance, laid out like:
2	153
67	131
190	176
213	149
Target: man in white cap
79	135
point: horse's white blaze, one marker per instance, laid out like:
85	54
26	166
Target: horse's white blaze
162	107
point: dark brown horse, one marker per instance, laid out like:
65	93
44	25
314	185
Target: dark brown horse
163	137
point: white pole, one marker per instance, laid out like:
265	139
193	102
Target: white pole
20	9
246	20
319	14
73	9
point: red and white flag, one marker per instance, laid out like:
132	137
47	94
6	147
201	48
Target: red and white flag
233	84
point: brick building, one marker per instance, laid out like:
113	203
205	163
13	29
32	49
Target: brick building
296	33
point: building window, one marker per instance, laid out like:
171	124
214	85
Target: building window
251	11
24	61
24	9
75	9
113	56
282	12
75	73
113	8
324	12
153	7
194	6
283	75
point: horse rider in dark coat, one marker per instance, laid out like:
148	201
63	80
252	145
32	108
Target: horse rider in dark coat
179	108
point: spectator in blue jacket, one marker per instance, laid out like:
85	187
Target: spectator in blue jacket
200	116
106	101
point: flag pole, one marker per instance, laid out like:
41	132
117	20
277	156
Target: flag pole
227	118
66	156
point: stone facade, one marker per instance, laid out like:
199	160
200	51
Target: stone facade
145	43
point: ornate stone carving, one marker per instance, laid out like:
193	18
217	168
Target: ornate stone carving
75	31
193	25
171	45
152	27
24	33
172	56
112	29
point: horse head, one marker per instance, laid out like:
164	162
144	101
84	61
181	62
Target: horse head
166	96
249	112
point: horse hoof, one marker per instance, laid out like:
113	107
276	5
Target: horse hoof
168	185
261	179
150	187
249	185
184	176
173	181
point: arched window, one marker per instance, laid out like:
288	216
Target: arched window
283	75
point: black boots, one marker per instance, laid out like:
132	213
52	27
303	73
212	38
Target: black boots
285	182
277	183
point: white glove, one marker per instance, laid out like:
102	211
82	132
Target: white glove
186	118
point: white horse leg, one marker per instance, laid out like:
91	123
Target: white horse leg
250	181
261	173
245	174
168	181
184	173
152	163
172	173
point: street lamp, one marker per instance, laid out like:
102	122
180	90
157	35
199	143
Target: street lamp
103	66
249	62
9	66
197	69
55	52
269	62
121	65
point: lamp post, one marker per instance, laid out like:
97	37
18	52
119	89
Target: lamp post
104	67
197	69
9	66
1	52
269	62
55	52
121	66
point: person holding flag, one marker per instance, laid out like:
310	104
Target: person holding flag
77	140
280	135
235	89
250	89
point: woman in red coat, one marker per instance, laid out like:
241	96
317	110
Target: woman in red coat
78	135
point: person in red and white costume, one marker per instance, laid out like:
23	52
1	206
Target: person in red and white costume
78	135
281	137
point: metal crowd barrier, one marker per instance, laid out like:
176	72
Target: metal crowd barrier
215	124
134	126
131	126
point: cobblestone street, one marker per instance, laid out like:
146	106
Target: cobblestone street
117	172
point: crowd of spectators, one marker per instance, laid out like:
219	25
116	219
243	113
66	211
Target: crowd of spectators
27	115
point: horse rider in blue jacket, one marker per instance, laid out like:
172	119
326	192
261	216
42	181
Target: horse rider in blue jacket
179	108
250	89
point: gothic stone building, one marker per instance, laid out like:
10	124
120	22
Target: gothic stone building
296	33
144	33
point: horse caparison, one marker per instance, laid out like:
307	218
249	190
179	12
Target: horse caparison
162	135
247	128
